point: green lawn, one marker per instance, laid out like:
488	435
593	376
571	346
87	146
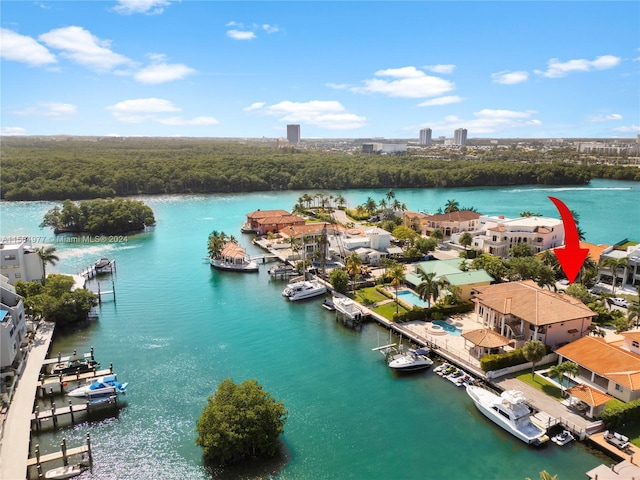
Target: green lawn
369	295
541	384
388	309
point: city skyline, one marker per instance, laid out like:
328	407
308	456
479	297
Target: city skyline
220	69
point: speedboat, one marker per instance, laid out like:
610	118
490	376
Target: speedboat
67	471
304	289
510	412
104	265
329	305
347	307
100	387
411	360
74	366
563	438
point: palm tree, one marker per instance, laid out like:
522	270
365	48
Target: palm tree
47	255
558	371
370	206
429	287
216	243
353	264
533	351
437	234
451	206
614	264
465	240
397	277
382	204
340	201
390	194
633	315
294	243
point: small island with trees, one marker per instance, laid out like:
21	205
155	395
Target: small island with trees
101	216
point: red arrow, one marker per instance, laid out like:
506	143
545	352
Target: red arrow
571	257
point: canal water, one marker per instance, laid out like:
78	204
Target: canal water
178	328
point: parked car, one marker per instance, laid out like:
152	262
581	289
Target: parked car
620	302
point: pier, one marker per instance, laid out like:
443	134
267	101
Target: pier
65	454
40	416
62	381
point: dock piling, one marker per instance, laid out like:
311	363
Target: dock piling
63	448
71	411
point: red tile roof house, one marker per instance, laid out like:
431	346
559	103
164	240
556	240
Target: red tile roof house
265	221
450	223
523	311
309	237
612	367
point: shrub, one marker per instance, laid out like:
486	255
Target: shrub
618	414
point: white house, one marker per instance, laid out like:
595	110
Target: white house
624	275
20	261
13	325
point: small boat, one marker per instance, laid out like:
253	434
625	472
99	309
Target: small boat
563	438
329	305
103	266
411	360
74	366
304	289
100	387
441	368
283	270
67	471
510	411
234	258
347	307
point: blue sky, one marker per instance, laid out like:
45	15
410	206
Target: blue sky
339	69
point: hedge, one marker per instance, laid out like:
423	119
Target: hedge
617	414
497	361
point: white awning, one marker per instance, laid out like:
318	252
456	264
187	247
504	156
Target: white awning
394	250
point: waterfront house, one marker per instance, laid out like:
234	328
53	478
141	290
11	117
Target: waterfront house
265	221
627	274
414	220
13	326
523	311
498	234
609	365
19	260
452	223
449	271
311	237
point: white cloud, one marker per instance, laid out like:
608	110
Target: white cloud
338	86
20	48
50	109
507	77
487	121
162	73
407	82
328	114
148	7
441	101
80	46
254	106
446	69
12	131
606	118
240	35
270	28
152	110
557	69
628	129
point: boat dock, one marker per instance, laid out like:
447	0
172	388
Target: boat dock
62	381
64	454
40	416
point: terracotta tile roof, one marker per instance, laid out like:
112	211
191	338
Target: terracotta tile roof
266	213
485	337
310	229
605	359
409	214
635	335
531	303
498	228
277	219
459	216
589	395
595	251
233	250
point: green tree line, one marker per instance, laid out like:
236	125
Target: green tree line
35	168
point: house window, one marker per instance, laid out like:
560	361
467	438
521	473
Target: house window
635	344
619	387
17	275
9	257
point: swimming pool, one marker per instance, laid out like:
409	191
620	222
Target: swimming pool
412	299
447	327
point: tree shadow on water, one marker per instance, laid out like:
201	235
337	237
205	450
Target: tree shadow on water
252	468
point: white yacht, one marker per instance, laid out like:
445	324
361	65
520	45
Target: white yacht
347	307
509	411
412	359
304	289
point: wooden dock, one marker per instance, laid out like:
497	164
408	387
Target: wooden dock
68	358
63	380
40	416
65	454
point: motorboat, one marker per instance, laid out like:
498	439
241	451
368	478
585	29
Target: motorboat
562	438
329	305
100	387
347	307
510	411
304	289
405	361
283	270
104	265
66	471
74	366
441	368
234	258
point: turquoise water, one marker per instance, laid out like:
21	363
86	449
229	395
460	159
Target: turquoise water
178	328
411	298
450	329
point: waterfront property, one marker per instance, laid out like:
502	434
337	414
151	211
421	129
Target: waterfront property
19	260
234	258
265	221
612	367
522	311
13	326
449	223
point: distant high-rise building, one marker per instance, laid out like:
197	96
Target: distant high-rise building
293	133
460	136
425	136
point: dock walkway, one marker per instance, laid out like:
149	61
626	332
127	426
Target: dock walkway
14	449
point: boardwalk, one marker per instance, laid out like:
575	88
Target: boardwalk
17	429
